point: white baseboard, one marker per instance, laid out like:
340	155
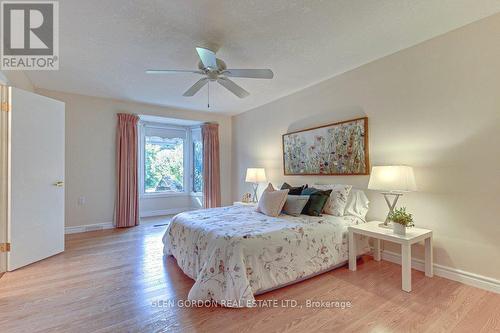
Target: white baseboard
88	227
471	279
171	211
110	225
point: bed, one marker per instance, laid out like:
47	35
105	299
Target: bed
235	252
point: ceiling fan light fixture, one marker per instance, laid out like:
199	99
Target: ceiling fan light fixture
215	70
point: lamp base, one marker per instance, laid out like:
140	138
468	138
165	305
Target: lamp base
255	187
390	204
385	226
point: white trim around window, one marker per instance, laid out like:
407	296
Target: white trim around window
193	132
187	160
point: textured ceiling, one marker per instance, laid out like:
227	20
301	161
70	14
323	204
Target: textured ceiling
106	45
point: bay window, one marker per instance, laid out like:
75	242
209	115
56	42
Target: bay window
197	160
170	160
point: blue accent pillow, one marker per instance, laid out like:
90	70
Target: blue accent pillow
309	191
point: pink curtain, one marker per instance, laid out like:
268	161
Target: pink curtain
211	167
127	199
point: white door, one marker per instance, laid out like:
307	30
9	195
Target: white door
36	186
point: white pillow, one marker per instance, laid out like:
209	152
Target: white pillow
338	198
357	204
271	202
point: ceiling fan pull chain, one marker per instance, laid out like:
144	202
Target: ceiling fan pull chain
208	95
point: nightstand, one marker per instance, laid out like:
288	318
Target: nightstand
413	235
240	203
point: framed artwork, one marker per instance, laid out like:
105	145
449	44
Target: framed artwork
334	149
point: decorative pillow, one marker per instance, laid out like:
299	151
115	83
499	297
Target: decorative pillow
293	190
316	202
271	202
269	188
294	204
309	191
357	204
338	198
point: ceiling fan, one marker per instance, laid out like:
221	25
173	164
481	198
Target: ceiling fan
214	69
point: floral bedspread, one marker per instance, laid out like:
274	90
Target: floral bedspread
235	252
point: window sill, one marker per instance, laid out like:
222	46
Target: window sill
163	195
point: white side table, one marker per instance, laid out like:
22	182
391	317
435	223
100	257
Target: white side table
240	203
413	235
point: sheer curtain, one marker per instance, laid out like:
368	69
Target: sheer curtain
127	199
211	165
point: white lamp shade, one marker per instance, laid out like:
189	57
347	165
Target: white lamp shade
256	175
394	178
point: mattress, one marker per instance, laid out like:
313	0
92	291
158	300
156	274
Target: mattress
234	252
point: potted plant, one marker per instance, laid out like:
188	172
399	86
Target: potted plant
401	220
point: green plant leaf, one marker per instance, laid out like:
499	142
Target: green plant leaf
399	215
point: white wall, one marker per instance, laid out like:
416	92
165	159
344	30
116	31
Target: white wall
18	79
90	155
165	205
435	106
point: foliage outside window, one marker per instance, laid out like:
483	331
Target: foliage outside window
164	164
171	159
197	166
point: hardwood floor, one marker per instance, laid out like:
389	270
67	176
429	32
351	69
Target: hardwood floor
112	280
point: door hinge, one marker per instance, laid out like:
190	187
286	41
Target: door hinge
5	107
4	247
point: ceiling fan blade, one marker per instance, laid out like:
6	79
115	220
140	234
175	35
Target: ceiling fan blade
196	87
233	87
207	57
171	71
249	73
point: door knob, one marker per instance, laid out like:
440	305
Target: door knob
59	184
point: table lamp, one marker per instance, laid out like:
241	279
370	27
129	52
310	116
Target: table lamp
255	176
392	181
